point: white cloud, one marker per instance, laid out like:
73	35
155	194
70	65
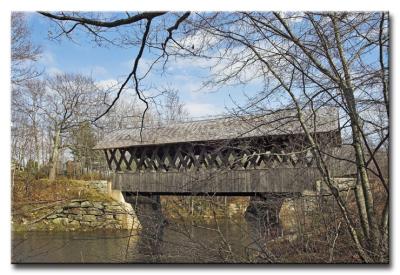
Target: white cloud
202	109
107	84
188	63
98	71
197	40
52	71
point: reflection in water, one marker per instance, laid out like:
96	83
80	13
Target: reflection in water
149	245
219	241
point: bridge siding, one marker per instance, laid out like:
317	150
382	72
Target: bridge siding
230	181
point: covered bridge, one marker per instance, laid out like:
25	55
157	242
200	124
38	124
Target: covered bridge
232	155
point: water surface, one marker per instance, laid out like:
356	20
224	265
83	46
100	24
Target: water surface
211	242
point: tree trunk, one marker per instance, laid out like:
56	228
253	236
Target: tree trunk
360	199
356	131
37	147
55	155
361	169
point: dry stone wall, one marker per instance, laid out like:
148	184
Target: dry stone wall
107	212
90	215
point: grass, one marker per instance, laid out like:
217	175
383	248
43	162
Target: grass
35	198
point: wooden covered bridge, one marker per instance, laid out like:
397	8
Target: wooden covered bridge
237	155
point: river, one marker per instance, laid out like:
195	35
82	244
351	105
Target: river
223	241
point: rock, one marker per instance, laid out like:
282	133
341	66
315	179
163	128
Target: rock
89	218
82	223
109	217
59	210
98	205
113	208
94	211
74	224
77	200
120	217
111	221
118	226
75	211
95	224
74	217
60	221
109	226
74	204
86	204
52	216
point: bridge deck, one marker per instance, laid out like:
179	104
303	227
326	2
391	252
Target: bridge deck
280	180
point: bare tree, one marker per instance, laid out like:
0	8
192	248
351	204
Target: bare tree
307	61
27	105
303	61
23	72
98	25
23	51
70	100
170	109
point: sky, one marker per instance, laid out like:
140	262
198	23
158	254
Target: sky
107	64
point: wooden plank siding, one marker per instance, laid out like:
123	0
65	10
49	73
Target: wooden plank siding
279	180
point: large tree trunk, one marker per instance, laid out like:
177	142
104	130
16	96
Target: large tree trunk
55	155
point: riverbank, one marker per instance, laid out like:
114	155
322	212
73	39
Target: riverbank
68	205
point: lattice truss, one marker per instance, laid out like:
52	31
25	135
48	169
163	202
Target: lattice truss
180	157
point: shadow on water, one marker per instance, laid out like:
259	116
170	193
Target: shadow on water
149	245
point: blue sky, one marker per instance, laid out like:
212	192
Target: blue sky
108	64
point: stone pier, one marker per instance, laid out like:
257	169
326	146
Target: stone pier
149	213
265	208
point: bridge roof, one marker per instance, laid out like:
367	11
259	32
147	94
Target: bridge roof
277	123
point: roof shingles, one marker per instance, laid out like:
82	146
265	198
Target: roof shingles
282	122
